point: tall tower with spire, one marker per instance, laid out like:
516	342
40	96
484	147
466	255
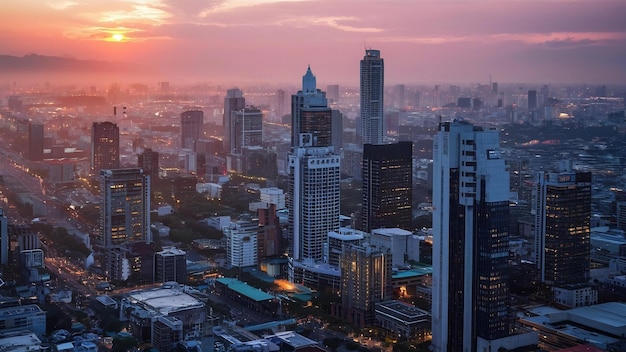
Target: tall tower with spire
310	113
314	174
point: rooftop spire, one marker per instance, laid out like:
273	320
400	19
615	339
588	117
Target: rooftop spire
308	82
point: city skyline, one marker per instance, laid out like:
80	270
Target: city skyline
473	41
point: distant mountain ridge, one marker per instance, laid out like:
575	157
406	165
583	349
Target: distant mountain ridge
42	63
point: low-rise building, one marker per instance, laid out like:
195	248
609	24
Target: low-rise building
600	325
402	320
29	317
143	308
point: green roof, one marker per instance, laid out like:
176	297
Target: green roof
243	288
416	270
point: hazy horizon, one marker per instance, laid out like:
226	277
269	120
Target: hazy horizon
248	42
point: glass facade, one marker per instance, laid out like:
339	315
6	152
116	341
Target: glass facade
387	186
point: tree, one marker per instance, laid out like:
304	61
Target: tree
124	342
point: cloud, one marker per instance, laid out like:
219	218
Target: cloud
548	39
569	42
230	5
333	22
137	13
61	5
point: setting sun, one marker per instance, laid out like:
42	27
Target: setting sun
117	37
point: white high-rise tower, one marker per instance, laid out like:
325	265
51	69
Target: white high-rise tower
470	240
314	174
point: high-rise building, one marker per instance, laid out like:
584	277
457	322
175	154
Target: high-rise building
191	127
242	247
332	92
310	114
233	101
470	238
124	209
562	227
365	280
399	96
532	99
35	141
105	146
313	200
148	161
170	264
269	232
337	129
4	239
281	103
387	186
246	129
372	94
314	175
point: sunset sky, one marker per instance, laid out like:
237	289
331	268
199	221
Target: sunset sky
422	41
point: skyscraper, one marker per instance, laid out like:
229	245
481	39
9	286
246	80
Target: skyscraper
532	99
105	146
246	129
470	238
281	103
365	280
4	239
233	101
310	114
332	92
124	209
387	186
314	174
35	141
191	126
148	161
372	94
562	227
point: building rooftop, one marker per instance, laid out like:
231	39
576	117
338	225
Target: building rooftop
18	341
599	325
291	338
402	311
19	310
392	232
245	289
415	271
164	299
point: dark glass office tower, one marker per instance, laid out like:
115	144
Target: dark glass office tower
233	101
105	146
191	125
387	186
562	222
149	162
35	141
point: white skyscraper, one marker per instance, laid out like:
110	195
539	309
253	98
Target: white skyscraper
372	93
314	174
314	197
470	241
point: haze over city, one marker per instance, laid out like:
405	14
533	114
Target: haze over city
239	41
